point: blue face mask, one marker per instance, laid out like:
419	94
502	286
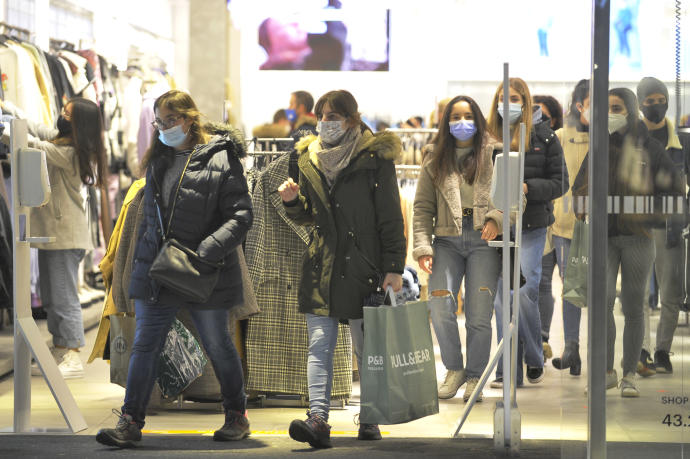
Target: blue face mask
514	111
173	137
291	114
462	129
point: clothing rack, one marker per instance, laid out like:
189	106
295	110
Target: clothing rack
56	44
25	33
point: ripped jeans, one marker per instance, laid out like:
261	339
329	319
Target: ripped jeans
455	258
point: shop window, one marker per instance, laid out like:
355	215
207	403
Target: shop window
21	13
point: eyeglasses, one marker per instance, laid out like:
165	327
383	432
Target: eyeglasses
65	113
167	124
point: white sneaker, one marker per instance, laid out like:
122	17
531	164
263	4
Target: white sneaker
454	379
627	386
611	380
471	385
57	353
71	366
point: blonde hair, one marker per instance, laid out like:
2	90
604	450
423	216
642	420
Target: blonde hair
495	122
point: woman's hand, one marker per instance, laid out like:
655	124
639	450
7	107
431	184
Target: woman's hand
425	263
393	280
490	231
289	190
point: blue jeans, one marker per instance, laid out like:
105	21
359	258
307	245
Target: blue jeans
571	313
59	272
323	337
529	330
470	257
548	263
153	324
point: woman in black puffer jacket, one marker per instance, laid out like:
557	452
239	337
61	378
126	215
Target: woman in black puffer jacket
198	183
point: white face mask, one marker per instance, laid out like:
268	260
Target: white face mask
514	111
585	114
616	122
331	131
173	137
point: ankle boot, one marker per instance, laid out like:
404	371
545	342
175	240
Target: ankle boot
569	359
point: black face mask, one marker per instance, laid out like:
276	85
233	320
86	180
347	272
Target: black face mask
655	112
64	126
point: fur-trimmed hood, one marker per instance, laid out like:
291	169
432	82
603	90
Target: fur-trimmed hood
223	136
308	118
271	130
385	144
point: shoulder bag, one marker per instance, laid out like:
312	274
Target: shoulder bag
181	270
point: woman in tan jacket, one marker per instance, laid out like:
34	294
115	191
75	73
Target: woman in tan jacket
574	137
452	205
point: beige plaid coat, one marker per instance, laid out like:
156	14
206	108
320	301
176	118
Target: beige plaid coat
277	337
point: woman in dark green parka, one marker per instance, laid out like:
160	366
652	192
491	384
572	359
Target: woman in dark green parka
348	193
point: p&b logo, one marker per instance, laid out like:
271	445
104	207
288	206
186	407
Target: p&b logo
375	360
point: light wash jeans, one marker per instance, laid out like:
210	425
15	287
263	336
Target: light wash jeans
153	323
59	282
323	337
634	256
546	301
470	257
529	330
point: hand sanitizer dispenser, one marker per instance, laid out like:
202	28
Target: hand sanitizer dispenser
34	184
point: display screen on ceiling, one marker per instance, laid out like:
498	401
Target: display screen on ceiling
327	40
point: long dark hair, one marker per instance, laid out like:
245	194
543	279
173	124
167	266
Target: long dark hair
86	137
343	103
182	104
580	93
633	118
443	159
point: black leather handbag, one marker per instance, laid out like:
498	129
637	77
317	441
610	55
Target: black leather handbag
181	270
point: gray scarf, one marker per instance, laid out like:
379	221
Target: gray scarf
331	160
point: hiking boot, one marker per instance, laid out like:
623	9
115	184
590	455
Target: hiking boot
236	427
471	385
71	366
314	431
123	435
369	432
627	386
535	375
454	379
662	362
548	352
645	366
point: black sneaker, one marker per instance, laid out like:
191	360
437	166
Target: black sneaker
314	431
236	427
662	362
535	374
123	435
645	366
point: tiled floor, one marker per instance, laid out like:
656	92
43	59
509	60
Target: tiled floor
553	409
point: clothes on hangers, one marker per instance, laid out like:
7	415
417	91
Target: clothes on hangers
277	338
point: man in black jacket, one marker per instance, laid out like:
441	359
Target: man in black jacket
670	261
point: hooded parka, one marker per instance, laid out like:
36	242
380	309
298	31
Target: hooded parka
210	211
357	226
